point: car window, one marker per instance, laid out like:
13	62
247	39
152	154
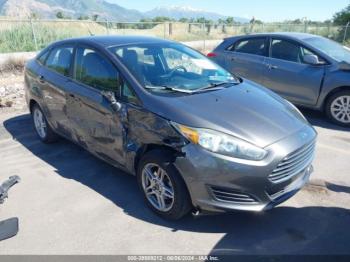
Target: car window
92	69
176	66
59	60
255	46
285	50
305	51
43	57
128	95
334	50
177	59
128	54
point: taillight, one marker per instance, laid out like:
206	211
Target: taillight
211	55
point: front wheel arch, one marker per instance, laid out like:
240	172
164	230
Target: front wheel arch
329	107
183	200
331	93
32	103
150	147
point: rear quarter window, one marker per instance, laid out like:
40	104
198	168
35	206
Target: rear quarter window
254	46
60	60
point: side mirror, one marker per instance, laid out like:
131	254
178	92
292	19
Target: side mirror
110	96
311	59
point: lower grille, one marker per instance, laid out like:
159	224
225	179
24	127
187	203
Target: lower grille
293	164
232	196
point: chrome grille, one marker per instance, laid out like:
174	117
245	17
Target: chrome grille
293	164
232	196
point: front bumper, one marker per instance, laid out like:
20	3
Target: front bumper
219	183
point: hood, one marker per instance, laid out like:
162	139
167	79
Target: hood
247	111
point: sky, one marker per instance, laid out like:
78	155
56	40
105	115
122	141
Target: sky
266	10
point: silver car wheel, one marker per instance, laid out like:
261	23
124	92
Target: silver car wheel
39	123
158	188
340	109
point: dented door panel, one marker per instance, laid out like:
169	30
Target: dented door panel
117	137
95	126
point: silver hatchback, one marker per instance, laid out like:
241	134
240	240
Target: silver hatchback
308	70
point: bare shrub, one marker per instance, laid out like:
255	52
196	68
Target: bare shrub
13	64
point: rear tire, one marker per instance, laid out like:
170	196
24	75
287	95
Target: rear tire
176	199
338	108
42	127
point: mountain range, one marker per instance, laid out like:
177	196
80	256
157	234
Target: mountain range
102	8
177	12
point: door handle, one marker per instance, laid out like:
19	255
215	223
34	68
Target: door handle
272	67
41	79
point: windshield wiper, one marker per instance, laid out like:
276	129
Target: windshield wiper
170	89
215	86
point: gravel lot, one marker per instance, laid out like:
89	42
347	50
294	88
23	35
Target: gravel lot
11	91
69	202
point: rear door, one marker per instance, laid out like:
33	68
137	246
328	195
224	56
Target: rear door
286	73
246	58
96	126
54	82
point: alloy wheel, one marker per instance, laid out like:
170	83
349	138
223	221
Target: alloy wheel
340	109
157	187
39	123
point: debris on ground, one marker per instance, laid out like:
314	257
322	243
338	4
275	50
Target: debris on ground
12	91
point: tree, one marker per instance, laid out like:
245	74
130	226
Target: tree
145	23
297	21
342	17
202	20
161	19
229	20
184	20
145	20
34	15
60	15
83	17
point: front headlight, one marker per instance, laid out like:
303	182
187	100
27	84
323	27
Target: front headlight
221	143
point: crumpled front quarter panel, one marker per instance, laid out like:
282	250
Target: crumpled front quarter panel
146	128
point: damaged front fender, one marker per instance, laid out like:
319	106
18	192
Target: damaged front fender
146	131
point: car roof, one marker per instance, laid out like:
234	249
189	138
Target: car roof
114	40
295	35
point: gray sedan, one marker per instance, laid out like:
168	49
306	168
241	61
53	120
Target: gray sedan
196	137
308	70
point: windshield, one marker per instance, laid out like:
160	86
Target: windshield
171	66
331	48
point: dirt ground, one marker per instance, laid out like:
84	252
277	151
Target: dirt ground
12	91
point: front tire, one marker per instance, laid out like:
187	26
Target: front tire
162	186
338	108
42	127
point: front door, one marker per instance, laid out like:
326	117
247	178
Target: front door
286	73
97	127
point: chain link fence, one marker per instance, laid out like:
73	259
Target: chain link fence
31	35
